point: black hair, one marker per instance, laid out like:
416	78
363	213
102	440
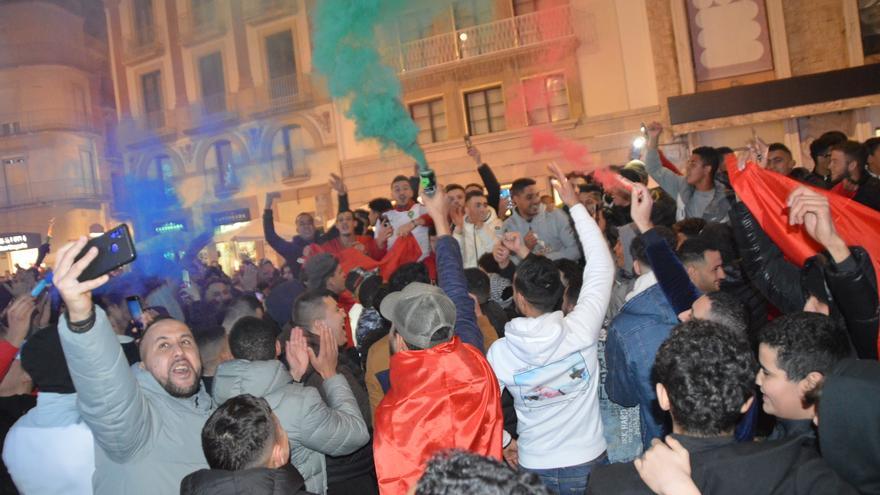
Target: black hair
805	342
474	184
664	210
779	147
208	336
253	339
239	434
478	284
308	307
368	291
710	157
729	311
721	236
824	142
380	205
689	227
871	145
161	317
407	274
519	185
573	273
591	188
709	373
488	264
537	280
723	150
473	194
694	250
400	178
452	187
854	151
214	280
458	472
612	235
637	247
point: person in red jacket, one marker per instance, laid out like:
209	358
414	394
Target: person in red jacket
345	224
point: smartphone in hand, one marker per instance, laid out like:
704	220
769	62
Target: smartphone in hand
115	249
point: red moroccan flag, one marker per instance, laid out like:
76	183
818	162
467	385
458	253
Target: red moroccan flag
405	250
765	193
440	398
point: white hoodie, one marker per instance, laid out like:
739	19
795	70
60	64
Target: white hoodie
550	366
475	242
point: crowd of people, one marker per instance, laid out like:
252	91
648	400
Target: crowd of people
632	340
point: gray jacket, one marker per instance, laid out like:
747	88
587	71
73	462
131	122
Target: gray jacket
554	228
677	187
146	440
314	428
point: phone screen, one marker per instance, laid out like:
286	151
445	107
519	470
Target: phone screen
134	307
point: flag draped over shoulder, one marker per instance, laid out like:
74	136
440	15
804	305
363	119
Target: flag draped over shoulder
405	250
440	398
765	194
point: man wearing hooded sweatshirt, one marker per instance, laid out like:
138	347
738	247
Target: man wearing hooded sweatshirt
479	230
51	437
548	361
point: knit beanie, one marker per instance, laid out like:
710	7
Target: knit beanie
43	359
318	269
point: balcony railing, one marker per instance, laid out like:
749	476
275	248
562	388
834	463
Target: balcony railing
262	10
147	126
284	92
213	109
144	43
45	120
53	190
484	39
201	25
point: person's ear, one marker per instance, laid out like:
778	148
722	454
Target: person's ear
809	382
745	407
277	348
637	267
663	397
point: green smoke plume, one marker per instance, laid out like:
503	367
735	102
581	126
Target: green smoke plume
345	51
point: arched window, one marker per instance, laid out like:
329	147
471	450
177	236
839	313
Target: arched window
162	171
289	149
223	161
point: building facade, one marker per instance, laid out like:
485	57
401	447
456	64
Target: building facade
606	66
56	106
216	100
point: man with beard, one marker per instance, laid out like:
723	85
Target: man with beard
146	420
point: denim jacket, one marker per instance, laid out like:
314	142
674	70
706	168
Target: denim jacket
634	337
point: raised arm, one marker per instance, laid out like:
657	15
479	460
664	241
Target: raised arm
493	187
776	278
673	279
108	396
850	276
588	314
286	249
450	273
669	181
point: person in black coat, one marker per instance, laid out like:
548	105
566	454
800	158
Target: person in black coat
704	379
846	271
248	453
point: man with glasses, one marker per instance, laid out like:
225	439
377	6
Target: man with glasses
548	233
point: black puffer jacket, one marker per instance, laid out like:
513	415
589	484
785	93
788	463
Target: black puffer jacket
853	285
258	481
853	293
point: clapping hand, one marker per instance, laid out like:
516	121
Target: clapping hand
296	351
328	355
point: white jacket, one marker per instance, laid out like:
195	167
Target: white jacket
550	366
475	241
